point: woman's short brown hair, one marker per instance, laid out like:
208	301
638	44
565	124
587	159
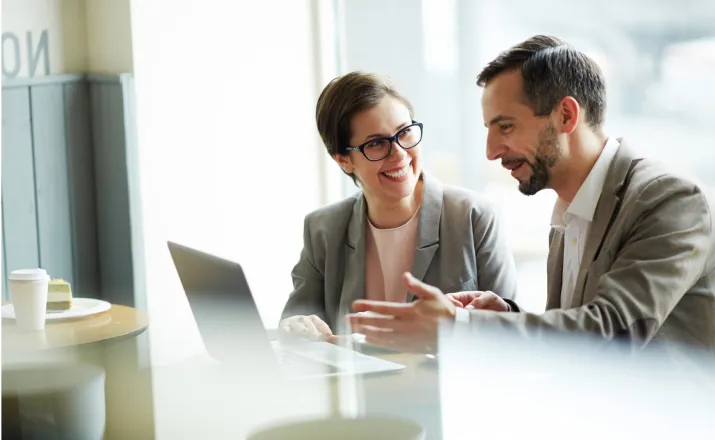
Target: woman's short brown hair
343	98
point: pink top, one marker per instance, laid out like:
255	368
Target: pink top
389	253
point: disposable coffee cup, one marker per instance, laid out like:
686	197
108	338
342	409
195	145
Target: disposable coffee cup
28	294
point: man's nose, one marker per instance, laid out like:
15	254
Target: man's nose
495	149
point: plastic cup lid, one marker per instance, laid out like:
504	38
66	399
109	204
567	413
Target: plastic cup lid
28	275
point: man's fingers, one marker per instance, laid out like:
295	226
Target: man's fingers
420	289
385	323
481	302
464	298
384	308
455	302
489	301
371	330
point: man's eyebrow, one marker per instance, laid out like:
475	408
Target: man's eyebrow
499	118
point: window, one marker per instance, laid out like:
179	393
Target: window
659	74
230	158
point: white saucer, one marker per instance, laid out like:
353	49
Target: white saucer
80	307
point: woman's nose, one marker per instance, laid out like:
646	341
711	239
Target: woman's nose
397	150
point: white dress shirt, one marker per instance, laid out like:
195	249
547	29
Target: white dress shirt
574	220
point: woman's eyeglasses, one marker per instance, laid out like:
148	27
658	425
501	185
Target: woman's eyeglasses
379	148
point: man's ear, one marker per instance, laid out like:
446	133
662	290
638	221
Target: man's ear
345	163
569	112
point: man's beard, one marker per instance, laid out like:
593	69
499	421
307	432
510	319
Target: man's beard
547	154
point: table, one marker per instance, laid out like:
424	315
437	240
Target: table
196	398
119	322
412	392
113	340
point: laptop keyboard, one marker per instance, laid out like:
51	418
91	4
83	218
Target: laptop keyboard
296	365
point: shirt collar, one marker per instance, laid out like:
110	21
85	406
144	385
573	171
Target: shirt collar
584	203
558	221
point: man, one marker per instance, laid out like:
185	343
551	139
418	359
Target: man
631	245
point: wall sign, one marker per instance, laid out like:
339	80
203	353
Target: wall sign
30	50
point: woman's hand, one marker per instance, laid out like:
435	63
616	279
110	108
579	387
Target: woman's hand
311	327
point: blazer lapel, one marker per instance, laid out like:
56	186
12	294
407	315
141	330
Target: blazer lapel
555	269
428	229
354	278
602	217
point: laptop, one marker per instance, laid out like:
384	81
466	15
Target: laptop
233	332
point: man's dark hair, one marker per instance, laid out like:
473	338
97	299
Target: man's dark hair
552	69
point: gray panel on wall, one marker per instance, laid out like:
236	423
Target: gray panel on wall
51	180
114	236
81	181
20	245
70	183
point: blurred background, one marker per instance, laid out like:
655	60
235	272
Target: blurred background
129	123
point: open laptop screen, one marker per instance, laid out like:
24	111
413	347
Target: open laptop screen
223	306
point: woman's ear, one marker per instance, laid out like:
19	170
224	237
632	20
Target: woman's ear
345	163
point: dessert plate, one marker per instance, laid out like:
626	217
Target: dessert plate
80	307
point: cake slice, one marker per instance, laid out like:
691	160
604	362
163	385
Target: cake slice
59	296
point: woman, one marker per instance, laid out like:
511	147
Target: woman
402	220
